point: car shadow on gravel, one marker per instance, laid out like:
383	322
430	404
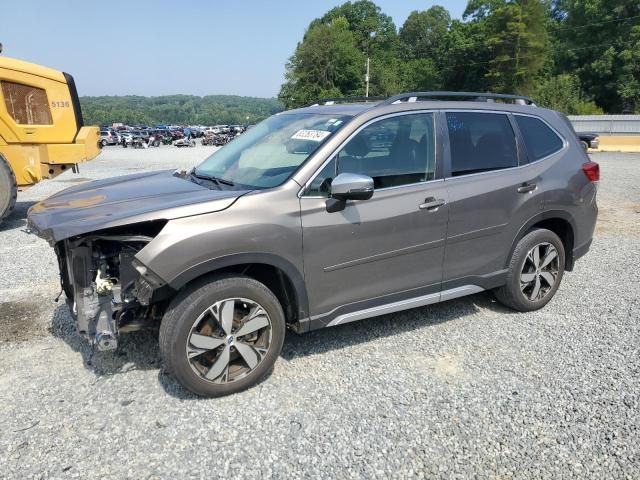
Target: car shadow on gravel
342	336
136	350
140	350
18	217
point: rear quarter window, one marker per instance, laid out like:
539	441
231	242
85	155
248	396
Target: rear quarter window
540	140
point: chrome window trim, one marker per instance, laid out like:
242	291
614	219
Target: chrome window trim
331	156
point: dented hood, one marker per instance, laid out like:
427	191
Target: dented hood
122	201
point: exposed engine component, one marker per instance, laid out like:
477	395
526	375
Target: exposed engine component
106	341
106	289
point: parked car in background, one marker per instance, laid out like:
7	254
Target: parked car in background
108	137
176	134
322	216
589	140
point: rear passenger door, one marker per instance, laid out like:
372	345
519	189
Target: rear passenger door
492	193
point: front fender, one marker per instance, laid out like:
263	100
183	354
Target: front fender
262	227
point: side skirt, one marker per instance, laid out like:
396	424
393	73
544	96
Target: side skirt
398	306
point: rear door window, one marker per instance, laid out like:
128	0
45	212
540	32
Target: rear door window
480	142
540	140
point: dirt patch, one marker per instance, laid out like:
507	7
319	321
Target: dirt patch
623	220
20	321
449	367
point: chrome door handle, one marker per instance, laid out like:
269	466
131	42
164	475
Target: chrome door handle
432	204
527	187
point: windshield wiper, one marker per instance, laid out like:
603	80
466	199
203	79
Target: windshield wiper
217	180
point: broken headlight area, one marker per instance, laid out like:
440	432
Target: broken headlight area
107	289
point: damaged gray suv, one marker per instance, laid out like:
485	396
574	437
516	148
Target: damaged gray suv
321	216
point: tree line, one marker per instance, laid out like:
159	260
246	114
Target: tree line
177	109
576	56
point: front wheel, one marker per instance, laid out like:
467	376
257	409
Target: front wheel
535	271
222	335
103	143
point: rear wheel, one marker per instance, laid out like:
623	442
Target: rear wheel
222	335
585	145
103	143
535	271
8	189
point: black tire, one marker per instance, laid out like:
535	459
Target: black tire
8	189
103	143
511	293
585	145
189	304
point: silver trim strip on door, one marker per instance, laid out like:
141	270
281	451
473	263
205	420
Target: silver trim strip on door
406	304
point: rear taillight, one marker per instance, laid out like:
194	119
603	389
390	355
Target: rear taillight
592	171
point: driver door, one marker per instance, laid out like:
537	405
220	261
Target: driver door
387	249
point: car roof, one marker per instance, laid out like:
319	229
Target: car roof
379	108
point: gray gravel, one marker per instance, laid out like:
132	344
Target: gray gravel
457	390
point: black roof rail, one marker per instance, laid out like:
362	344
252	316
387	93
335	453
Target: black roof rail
333	101
474	96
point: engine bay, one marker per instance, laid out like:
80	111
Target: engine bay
107	290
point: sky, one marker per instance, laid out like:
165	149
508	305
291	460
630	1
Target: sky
166	47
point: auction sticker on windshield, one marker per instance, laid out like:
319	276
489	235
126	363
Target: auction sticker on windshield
312	135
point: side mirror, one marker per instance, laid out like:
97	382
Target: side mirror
349	186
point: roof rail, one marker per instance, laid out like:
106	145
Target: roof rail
333	101
474	96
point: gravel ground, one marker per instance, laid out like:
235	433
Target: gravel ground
464	389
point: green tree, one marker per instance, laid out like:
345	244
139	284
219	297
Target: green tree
516	36
327	63
177	109
600	41
376	37
424	34
423	48
564	93
466	56
364	17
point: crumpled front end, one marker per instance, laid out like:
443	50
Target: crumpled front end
107	290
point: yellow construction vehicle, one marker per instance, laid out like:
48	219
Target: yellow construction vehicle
41	128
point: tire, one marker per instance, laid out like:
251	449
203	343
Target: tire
190	316
519	292
104	143
8	189
585	145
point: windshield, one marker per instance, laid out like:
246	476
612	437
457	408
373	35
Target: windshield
267	154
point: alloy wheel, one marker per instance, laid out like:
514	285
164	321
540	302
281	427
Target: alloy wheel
229	340
539	272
